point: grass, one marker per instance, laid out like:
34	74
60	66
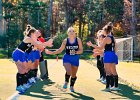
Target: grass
8	73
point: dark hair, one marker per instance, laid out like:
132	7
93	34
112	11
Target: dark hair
27	29
31	31
102	36
107	28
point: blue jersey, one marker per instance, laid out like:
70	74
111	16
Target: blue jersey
25	47
111	46
71	48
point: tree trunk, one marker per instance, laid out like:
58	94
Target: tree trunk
49	19
133	24
66	13
1	17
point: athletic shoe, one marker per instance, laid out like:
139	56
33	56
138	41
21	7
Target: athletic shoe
32	80
65	85
115	89
71	89
101	79
104	81
107	90
37	78
26	86
20	89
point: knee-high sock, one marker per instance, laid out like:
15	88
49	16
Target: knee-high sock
107	81
67	77
116	80
30	73
112	80
72	82
25	78
35	72
19	78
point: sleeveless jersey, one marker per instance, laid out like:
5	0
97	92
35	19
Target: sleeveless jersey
71	48
111	46
25	46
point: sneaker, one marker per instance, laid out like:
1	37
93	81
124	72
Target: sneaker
71	89
104	81
26	86
20	89
37	78
115	89
107	90
65	85
101	79
32	80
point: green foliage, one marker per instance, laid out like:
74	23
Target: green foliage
114	8
3	41
58	41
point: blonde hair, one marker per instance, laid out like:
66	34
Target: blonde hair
98	33
70	29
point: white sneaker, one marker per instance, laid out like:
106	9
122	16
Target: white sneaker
104	81
100	79
115	89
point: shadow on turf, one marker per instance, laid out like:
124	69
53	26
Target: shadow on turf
80	96
37	90
127	92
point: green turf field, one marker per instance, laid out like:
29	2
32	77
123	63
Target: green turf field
87	86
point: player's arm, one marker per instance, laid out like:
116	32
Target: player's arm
101	47
59	50
29	40
63	45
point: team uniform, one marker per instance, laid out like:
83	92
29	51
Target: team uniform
34	55
70	56
109	52
20	54
111	57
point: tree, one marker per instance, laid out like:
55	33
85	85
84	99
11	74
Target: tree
127	17
49	18
1	17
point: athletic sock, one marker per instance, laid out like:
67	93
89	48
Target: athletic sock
107	81
67	77
112	80
35	72
116	80
31	73
19	78
73	81
25	79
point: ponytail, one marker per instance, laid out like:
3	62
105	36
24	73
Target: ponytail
30	32
108	28
27	29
